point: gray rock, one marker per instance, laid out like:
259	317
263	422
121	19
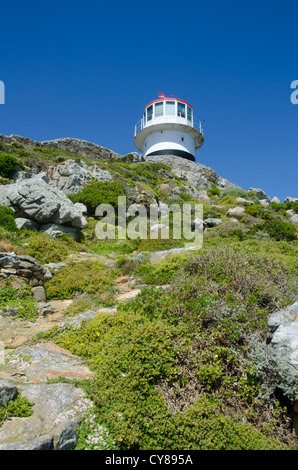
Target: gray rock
264	202
47	273
81	207
56	230
260	194
291	199
89	315
71	177
39	199
275	199
45	308
55	266
22	266
199	176
50	427
283	336
294	219
39	294
8	391
235	211
28	224
198	224
212	222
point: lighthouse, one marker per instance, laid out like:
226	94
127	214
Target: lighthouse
168	127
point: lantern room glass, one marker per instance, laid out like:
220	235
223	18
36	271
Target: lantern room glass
170	108
158	109
181	110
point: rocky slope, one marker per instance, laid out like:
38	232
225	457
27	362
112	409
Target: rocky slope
40	195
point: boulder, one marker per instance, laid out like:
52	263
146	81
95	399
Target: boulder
39	294
28	224
283	336
198	224
294	219
264	202
56	230
39	199
235	211
50	427
212	222
276	200
8	391
260	194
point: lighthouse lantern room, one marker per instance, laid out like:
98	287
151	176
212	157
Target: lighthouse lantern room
168	127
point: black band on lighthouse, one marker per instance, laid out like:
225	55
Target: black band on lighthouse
177	153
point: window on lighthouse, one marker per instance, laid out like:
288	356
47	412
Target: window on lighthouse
149	113
158	109
170	108
189	113
181	110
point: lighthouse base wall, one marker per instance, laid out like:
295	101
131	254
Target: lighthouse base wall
177	153
170	142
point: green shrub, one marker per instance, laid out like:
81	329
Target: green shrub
132	354
21	299
98	193
280	230
7	221
238	192
8	164
78	277
255	210
285	206
214	191
47	250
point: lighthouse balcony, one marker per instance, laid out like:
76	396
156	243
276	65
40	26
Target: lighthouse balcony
144	123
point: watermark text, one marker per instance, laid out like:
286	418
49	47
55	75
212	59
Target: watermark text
179	222
2	92
294	95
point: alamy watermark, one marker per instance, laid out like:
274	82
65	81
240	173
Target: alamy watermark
2	357
294	95
179	222
2	92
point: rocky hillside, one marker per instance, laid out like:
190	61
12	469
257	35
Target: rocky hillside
142	343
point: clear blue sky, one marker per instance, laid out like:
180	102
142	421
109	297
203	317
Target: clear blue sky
87	70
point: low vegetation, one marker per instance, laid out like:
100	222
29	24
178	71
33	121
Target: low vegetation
18	407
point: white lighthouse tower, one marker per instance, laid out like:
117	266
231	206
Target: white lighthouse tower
168	127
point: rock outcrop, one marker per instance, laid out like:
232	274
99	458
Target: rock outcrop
283	337
39	200
75	146
71	177
54	426
199	176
